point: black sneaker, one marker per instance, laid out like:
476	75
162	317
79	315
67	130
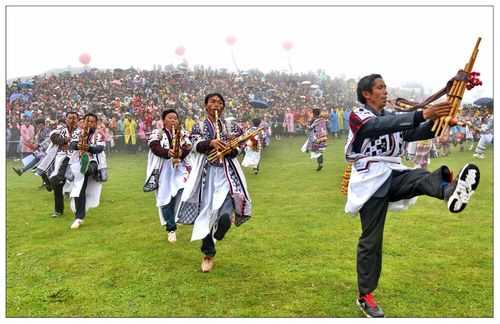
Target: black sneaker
56	214
369	306
19	172
320	166
462	188
47	186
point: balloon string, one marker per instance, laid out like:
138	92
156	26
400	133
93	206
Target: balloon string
234	60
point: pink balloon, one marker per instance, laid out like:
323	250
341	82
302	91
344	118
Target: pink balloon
287	45
84	58
180	50
231	40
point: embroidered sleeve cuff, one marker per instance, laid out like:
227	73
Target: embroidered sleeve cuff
185	152
203	147
57	139
157	150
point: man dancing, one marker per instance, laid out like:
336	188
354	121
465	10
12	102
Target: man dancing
167	172
40	146
57	159
380	182
89	169
215	188
316	140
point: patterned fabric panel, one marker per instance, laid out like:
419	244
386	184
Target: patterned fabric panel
188	213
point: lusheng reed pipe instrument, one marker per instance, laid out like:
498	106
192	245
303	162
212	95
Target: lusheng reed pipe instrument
84	140
176	144
454	89
217	135
345	179
455	94
232	144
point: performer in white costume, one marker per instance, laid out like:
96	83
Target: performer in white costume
216	188
166	170
317	139
486	138
253	150
380	182
89	168
56	161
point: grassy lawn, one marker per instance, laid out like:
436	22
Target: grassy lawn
294	258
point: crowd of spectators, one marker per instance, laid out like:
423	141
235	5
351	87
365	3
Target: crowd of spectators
129	102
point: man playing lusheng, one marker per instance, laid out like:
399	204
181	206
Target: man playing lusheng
379	181
87	183
167	171
215	189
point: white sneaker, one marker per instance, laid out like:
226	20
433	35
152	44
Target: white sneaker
76	224
467	182
172	238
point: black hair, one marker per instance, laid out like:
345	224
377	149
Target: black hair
316	112
168	111
256	122
90	115
39	121
366	84
215	94
72	113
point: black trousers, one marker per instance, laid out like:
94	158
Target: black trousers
320	159
58	198
81	200
400	185
223	224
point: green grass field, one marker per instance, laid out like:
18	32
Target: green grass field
294	258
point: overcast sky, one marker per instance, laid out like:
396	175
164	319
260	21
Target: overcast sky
404	44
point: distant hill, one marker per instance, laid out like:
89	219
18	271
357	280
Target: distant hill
72	70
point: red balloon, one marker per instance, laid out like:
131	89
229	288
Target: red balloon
85	58
180	50
231	40
288	45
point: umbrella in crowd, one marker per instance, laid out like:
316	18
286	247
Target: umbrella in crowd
484	102
25	84
259	104
13	97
